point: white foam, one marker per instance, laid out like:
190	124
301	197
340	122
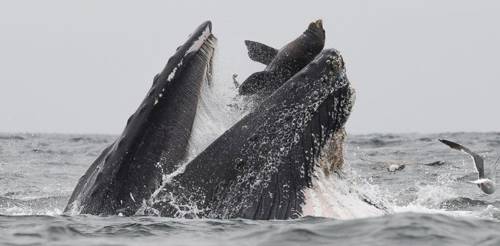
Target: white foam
416	208
213	114
74	208
26	210
335	197
431	196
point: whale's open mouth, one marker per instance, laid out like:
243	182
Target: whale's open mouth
258	168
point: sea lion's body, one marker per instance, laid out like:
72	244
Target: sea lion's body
284	63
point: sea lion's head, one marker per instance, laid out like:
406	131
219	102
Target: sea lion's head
313	39
316	30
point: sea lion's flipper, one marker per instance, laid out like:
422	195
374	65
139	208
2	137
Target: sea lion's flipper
260	52
257	82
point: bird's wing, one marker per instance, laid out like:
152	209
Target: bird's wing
479	181
494	172
478	160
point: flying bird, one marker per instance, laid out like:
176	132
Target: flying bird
487	184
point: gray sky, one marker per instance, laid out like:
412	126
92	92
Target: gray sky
84	66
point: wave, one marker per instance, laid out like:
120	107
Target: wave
39	206
11	137
397	229
376	141
462	203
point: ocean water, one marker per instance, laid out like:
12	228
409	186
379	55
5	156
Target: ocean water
428	204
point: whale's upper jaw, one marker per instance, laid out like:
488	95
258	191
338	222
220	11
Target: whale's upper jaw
202	38
125	172
198	49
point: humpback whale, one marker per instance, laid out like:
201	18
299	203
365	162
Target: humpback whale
155	138
284	63
265	166
261	167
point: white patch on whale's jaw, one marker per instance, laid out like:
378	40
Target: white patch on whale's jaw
196	46
332	195
200	41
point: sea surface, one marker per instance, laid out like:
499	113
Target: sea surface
430	200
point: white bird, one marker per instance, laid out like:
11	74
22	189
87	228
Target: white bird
395	167
487	184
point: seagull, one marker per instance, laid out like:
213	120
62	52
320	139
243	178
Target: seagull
486	184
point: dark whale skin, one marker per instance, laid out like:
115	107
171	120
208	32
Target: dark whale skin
155	139
260	167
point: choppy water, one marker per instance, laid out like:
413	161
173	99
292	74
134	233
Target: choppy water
433	205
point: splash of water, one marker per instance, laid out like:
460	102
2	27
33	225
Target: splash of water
336	197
